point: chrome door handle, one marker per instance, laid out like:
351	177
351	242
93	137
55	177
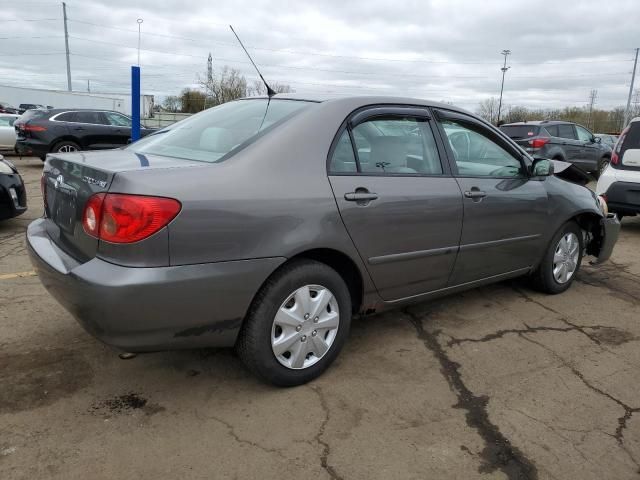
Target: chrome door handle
475	193
360	196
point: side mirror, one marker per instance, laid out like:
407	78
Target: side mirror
631	158
596	139
542	167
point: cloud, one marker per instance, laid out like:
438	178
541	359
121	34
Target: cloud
442	50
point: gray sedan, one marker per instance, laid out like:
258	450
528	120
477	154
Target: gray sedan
266	224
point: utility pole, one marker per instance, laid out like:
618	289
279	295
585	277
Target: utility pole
592	100
209	90
504	69
140	20
88	86
66	44
633	77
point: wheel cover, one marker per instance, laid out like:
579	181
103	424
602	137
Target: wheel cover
67	148
565	258
305	327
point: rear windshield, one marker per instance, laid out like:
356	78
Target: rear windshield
32	114
520	131
210	135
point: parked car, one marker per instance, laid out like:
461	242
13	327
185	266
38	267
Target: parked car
6	108
558	140
620	182
607	139
13	195
266	224
69	130
23	107
7	132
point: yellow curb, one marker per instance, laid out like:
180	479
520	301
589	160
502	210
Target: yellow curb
9	276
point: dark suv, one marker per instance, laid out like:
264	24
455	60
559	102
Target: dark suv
560	140
69	130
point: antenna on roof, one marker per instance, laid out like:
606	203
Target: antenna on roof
270	91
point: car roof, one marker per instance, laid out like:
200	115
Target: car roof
364	100
540	122
53	111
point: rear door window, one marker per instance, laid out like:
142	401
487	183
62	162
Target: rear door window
552	130
94	118
66	117
566	131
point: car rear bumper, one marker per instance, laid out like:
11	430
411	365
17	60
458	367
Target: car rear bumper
13	196
146	309
610	231
623	197
31	147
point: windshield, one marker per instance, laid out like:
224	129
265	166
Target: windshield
211	135
520	131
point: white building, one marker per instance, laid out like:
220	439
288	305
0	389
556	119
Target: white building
62	99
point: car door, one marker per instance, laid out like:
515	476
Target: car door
505	211
569	142
91	129
398	200
120	128
7	132
590	150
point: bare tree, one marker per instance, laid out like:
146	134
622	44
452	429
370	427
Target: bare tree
258	88
488	109
171	103
228	85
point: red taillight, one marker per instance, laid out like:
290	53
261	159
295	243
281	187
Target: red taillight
32	128
615	158
538	142
122	218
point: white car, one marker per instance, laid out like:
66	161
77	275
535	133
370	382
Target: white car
619	184
7	131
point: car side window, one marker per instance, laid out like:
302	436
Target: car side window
566	131
5	121
343	159
94	118
118	120
397	145
66	117
476	153
552	130
584	135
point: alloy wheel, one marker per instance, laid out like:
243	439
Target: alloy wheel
565	258
305	327
67	149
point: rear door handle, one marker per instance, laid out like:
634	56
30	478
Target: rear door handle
475	193
78	128
360	196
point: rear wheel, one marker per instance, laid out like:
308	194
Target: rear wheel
297	324
66	146
561	262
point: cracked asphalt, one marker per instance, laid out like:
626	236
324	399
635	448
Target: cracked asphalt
498	382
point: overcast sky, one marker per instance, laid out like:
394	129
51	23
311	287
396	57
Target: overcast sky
441	50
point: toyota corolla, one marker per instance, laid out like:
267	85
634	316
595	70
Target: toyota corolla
266	224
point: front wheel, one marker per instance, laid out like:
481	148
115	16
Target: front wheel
561	262
297	324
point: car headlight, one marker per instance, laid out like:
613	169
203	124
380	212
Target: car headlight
6	168
602	203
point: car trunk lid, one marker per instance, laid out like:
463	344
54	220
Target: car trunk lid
69	180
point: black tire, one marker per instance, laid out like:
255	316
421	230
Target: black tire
602	165
543	278
254	342
66	143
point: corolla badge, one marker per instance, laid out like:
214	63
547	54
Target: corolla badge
59	181
93	181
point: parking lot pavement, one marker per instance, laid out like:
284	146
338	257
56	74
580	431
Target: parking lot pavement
499	382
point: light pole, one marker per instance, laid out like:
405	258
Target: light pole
504	69
139	27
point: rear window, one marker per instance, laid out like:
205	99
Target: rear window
32	115
630	141
520	131
210	135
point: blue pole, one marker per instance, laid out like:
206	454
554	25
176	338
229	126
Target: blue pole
135	103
